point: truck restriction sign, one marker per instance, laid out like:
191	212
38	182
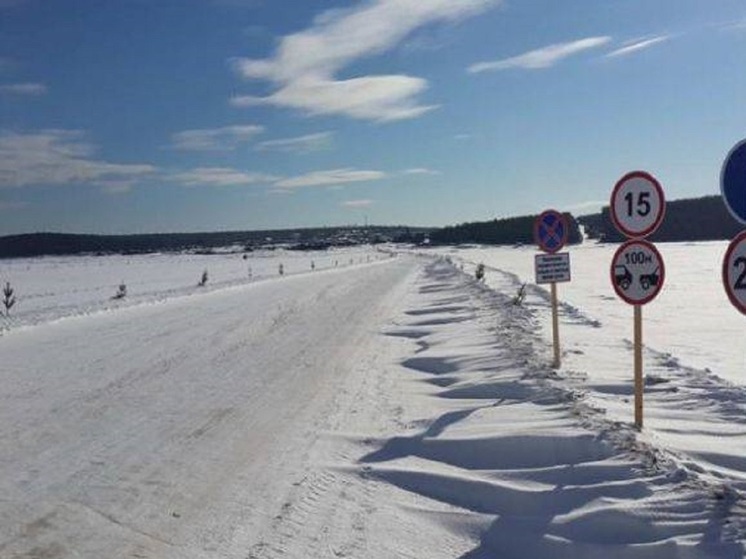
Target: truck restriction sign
552	268
637	272
734	271
637	204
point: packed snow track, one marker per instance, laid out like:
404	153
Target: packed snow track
181	429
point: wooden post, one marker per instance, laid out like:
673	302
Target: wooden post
555	328
638	366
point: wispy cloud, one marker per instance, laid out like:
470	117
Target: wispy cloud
544	57
54	157
638	45
23	89
332	177
220	176
300	144
357	203
737	25
305	64
215	139
421	171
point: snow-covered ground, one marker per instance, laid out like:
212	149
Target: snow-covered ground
372	407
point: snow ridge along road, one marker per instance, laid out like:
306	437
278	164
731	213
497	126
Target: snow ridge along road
398	409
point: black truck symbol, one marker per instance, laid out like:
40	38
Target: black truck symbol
622	276
649	280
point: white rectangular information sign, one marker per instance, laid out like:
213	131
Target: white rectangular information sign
552	268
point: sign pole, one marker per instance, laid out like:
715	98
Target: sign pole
551	232
555	327
638	366
637	208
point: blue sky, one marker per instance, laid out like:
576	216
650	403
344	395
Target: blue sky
135	116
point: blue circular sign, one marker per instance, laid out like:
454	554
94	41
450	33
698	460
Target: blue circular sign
550	231
733	181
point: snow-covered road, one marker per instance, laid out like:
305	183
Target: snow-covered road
180	429
393	409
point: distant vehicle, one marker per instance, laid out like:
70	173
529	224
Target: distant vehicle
649	280
622	276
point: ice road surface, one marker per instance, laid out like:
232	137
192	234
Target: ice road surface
373	407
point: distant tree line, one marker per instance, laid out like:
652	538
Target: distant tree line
694	219
44	244
510	231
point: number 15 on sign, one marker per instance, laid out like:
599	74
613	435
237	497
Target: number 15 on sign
637	204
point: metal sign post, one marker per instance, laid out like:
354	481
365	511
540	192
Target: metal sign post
550	233
637	270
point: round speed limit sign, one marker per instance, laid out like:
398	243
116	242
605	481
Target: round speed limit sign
734	272
637	204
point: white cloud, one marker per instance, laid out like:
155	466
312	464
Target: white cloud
215	139
332	177
300	144
305	64
638	45
421	171
544	57
53	157
357	203
220	176
23	89
585	208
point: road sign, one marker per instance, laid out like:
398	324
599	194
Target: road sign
637	204
733	181
552	268
550	231
734	272
637	272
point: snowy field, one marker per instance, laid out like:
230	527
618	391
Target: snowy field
366	407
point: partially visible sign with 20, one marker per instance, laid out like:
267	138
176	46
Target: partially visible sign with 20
734	272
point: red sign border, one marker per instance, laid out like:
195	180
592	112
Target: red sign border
731	247
565	236
652	248
657	223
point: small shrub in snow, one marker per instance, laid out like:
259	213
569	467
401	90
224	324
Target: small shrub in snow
518	299
479	273
121	291
203	279
8	298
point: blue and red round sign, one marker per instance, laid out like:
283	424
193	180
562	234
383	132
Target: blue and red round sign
551	231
